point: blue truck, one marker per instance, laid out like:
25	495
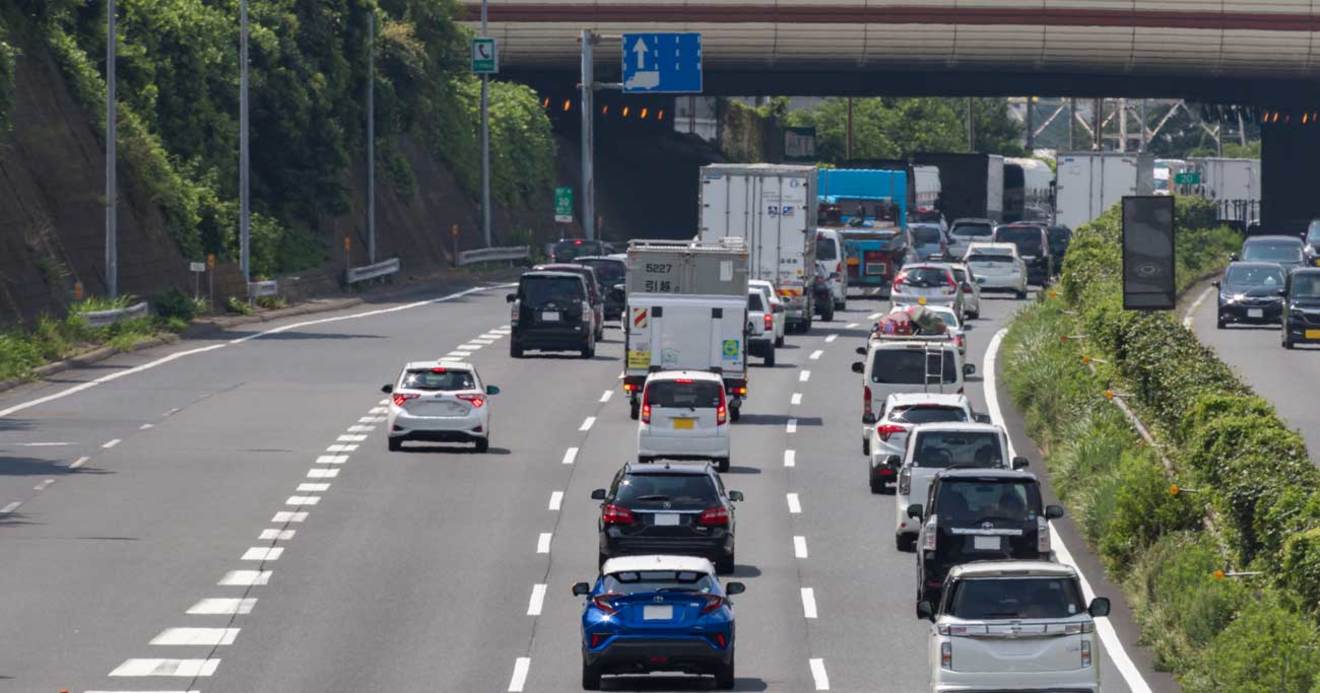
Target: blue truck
870	207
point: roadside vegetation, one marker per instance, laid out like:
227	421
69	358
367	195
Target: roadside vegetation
1223	572
51	339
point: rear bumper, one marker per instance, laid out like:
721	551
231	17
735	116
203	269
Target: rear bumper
1076	681
558	338
437	428
1000	282
695	655
678	447
440	436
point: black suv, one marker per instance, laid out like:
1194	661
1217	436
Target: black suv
594	295
979	514
551	312
1301	307
667	508
612	273
1033	244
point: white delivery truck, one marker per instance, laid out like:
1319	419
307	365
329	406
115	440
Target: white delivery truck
1227	179
772	207
1089	183
687	310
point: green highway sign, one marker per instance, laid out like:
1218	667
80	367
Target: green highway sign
485	57
564	205
1187	178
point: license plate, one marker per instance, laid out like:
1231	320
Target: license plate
550	315
666	520
1312	334
657	612
684	424
985	543
1255	312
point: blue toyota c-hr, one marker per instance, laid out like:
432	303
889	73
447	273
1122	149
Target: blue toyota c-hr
657	613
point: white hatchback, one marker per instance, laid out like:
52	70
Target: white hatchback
885	435
776	306
439	401
685	416
997	267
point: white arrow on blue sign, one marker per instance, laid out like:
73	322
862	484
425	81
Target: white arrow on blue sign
662	63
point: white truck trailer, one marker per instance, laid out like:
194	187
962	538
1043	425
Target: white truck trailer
1089	183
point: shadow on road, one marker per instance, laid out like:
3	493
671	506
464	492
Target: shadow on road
676	683
777	420
432	448
31	466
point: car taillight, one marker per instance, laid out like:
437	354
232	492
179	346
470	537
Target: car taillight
604	603
475	400
932	532
717	516
958	340
905	482
513	313
720	640
946	655
598	638
769	321
646	406
713	602
400	398
967	287
886	430
721	411
838	268
866	399
629	387
899	280
616	515
586	311
952	286
1042	534
1086	653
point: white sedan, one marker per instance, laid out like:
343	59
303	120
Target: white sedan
776	306
439	401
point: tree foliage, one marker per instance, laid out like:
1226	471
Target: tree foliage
895	128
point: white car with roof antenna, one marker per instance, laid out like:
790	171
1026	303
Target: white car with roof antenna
439	401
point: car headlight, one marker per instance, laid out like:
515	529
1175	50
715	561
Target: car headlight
1236	298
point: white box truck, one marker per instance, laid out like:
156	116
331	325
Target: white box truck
1089	183
687	310
772	207
1227	179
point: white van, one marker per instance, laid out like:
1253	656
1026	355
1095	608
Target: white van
829	265
896	365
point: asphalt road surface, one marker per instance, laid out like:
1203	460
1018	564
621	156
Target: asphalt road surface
223	515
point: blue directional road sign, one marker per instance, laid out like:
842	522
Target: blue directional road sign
662	63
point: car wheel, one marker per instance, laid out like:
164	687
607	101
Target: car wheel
483	444
724	678
396	444
866	446
724	566
589	351
735	413
770	358
975	315
515	349
634	410
877	486
600	561
905	542
779	341
590	677
827	311
1287	343
1021	295
841	305
722	464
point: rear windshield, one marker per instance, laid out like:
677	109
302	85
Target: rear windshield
825	248
910	366
567	250
609	272
676	393
1027	239
986	599
667	488
973	501
940	449
925	235
1255	276
991	259
634	582
1273	251
972	230
925	413
438	380
1306	285
536	291
925	277
754	303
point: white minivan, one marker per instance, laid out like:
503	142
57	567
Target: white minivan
684	416
908	364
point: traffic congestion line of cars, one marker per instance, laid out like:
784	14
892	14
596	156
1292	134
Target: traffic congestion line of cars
1274	280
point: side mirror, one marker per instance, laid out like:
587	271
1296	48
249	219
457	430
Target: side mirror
861	351
1216	283
598	494
857	367
492	389
1020	463
387	389
982	418
581	589
736	496
732	588
893	461
1234	257
914	511
1283	293
1053	512
510	298
969	369
1099	607
868	418
925	610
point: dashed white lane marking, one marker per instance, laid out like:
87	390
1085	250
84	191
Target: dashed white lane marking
852	325
790	426
360	428
378	410
245	578
196	636
303	500
543	542
470	347
171	412
794	504
799	547
79	462
538	598
222	606
874	316
350	438
341	448
111	443
10	508
521	666
815	355
383	402
1191	312
790	458
146	426
556	500
458	354
285	517
276	534
263	553
831	338
587	423
484	341
313	488
332	459
42	486
570	455
804	376
190	668
44	445
818	674
320	473
605	397
808	602
796	399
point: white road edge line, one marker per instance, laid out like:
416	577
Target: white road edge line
556	500
543	542
521	666
799	547
818	673
1117	654
537	600
1191	312
570	455
790	458
808	602
794	505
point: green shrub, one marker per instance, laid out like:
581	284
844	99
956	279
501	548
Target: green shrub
1268	648
237	305
1213	405
175	304
1144	510
1301	565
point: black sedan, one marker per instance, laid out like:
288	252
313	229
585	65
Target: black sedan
1249	293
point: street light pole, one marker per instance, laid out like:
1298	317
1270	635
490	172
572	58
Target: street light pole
588	145
244	199
111	136
485	142
371	139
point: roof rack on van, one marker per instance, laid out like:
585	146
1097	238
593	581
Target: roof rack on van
881	337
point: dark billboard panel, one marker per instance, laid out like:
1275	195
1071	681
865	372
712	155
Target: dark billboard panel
1148	259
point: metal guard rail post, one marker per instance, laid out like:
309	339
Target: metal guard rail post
380	269
468	257
101	318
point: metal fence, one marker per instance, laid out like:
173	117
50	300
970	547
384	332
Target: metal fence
468	257
101	318
380	269
266	288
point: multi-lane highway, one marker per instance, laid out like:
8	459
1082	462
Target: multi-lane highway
222	515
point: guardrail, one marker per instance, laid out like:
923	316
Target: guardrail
380	269
266	288
520	252
101	318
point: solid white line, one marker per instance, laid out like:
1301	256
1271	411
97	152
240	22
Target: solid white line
322	473
190	668
10	508
42	486
800	547
303	500
796	399
804	376
818	673
808	602
276	534
538	598
313	488
351	438
332	459
245	578
79	462
1191	312
605	397
586	423
556	500
111	443
285	517
263	553
222	606
570	455
520	668
1113	645
794	505
196	636
831	338
144	427
44	445
543	542
341	448
790	458
791	426
815	355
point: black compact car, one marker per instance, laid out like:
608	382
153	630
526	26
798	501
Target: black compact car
667	508
551	312
1249	293
1033	244
1301	307
979	514
595	296
1287	251
612	273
